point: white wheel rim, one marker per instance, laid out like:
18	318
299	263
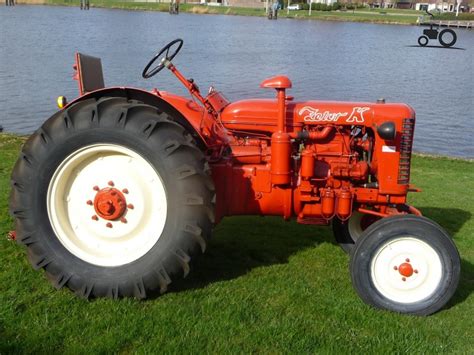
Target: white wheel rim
354	225
425	264
106	242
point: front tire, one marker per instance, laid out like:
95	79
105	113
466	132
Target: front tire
348	232
405	264
112	198
423	41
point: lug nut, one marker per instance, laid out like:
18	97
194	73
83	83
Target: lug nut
407	260
404	278
395	268
95	188
109	225
89	202
125	191
415	271
95	218
123	220
130	206
111	183
113	193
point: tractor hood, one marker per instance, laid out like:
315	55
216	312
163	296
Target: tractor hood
261	114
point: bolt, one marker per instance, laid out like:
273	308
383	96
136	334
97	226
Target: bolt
89	202
404	278
415	271
11	236
95	218
395	268
130	206
407	260
111	183
123	220
95	188
113	193
109	225
125	191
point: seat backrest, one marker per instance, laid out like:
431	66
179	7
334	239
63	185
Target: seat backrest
89	73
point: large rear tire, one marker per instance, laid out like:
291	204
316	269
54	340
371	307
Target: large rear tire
405	264
112	198
447	38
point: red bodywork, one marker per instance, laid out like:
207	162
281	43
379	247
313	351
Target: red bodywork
313	160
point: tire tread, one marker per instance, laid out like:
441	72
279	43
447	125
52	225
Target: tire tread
146	121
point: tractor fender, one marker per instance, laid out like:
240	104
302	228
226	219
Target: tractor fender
152	100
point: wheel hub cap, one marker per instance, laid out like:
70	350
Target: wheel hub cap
110	203
102	221
405	269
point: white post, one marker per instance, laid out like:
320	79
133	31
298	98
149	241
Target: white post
457	7
310	3
287	8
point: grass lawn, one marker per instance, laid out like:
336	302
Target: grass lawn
264	285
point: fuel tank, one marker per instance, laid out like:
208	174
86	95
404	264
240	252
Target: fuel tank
261	114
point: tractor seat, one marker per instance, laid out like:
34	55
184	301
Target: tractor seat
88	73
277	82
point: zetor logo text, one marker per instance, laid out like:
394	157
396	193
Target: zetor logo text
312	114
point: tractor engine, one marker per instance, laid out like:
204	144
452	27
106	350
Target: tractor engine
328	169
313	182
313	160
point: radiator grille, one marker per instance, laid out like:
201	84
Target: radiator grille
406	142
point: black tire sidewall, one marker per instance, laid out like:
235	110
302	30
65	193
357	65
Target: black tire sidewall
47	168
447	44
392	228
341	234
162	260
423	44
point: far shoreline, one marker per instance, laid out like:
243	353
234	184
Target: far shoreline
374	16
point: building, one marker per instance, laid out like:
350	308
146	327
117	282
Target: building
245	3
442	5
327	2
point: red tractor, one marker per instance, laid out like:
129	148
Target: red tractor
118	192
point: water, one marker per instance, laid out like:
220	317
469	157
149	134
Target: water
325	60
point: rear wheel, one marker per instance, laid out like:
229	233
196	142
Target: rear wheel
406	264
447	38
112	198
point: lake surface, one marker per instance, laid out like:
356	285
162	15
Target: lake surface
325	60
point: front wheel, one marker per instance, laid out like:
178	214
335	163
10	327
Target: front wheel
348	232
112	198
423	41
405	264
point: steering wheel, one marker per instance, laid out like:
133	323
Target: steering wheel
148	73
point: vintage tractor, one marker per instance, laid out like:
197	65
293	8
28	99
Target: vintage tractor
447	37
118	192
